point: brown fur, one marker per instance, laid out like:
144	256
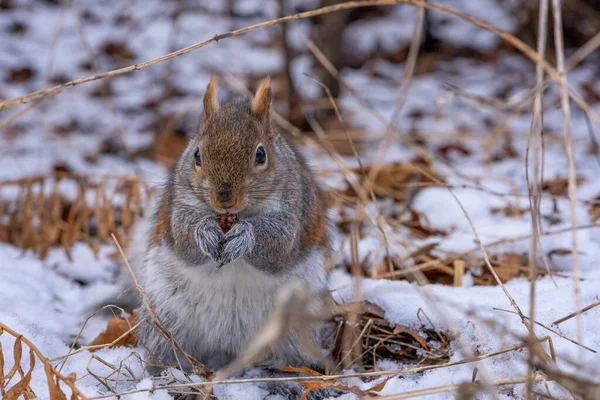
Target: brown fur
162	224
211	102
316	230
262	100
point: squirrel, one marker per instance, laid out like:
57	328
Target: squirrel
212	289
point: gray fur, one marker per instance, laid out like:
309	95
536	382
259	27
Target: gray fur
209	236
236	243
213	312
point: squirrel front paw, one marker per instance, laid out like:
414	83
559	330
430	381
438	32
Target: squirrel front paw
238	241
209	236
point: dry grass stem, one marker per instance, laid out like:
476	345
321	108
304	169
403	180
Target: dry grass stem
553	331
572	185
584	309
534	189
455	387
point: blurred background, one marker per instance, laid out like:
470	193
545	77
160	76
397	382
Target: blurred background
149	114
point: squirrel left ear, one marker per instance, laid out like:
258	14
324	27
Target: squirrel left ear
261	104
211	102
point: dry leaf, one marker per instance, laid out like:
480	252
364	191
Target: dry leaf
510	267
594	210
22	388
453	148
116	328
396	179
558	186
53	387
398	329
331	383
303	370
510	210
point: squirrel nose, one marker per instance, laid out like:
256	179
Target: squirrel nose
224	198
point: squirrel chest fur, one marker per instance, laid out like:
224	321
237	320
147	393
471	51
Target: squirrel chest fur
212	289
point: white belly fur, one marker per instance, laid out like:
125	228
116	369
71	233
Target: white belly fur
212	311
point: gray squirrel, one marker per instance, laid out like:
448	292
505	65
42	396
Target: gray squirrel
213	289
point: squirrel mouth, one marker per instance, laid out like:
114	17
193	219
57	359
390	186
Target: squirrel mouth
230	210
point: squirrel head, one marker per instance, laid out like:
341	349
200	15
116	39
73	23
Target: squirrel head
233	159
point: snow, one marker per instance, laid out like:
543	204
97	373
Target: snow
48	301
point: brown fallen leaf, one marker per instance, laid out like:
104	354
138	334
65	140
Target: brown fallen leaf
510	210
448	149
509	267
21	74
332	383
116	328
397	180
558	185
398	329
594	210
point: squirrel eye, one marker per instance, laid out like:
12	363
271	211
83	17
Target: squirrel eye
197	157
261	156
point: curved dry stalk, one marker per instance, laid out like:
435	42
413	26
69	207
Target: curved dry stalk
50	370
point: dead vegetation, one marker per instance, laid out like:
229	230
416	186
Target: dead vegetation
41	216
13	389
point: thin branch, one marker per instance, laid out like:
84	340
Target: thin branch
578	312
456	386
553	331
572	181
534	200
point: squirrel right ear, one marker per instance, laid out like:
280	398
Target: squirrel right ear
211	101
261	104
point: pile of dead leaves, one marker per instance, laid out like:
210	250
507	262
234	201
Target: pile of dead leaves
41	216
363	337
449	270
396	180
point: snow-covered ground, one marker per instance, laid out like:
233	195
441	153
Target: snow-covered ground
48	301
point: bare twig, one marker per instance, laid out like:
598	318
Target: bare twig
455	387
578	312
534	201
553	331
572	180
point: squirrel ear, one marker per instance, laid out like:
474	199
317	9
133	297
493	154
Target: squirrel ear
261	104
211	101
